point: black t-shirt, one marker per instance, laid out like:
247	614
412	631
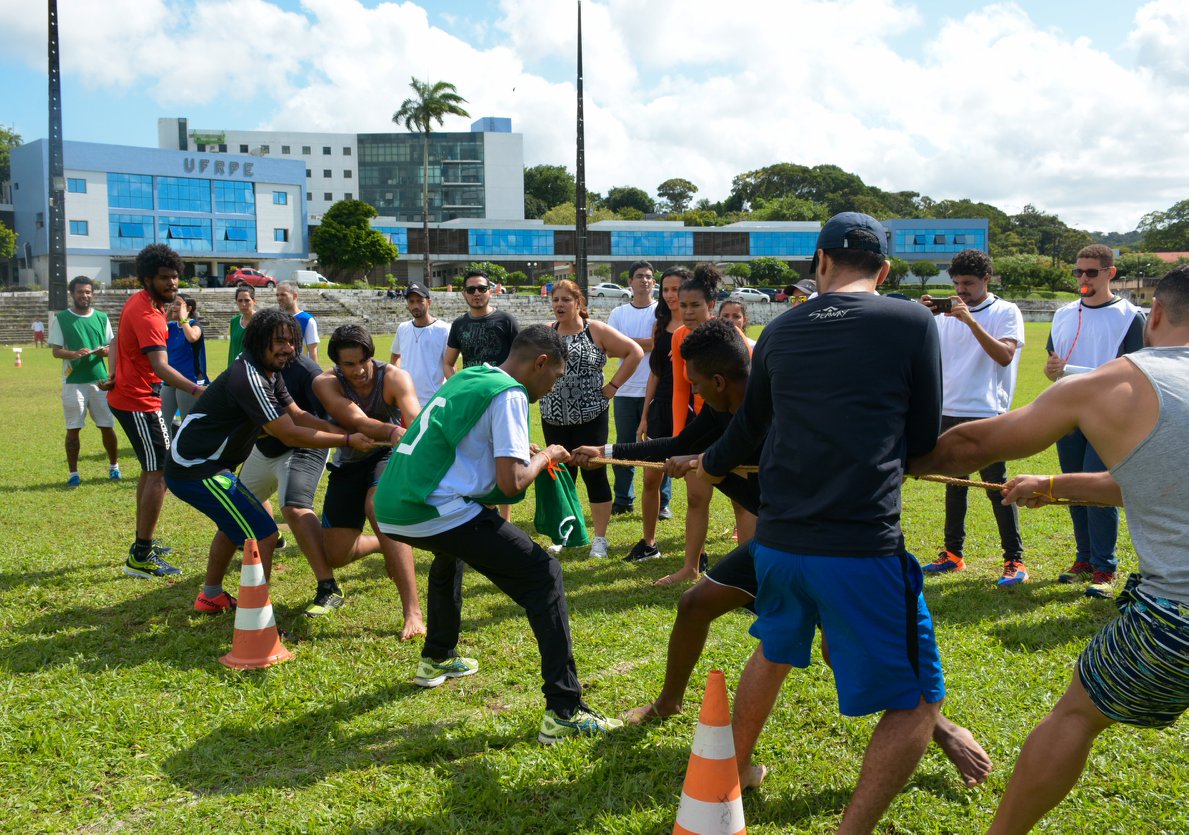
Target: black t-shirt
843	390
299	381
485	340
219	432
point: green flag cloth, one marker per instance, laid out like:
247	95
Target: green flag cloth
559	513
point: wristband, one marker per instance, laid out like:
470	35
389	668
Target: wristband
391	432
194	391
347	439
607	451
613	384
1052	498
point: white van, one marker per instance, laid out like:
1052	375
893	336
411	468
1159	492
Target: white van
308	277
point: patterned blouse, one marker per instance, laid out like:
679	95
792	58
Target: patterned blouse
578	396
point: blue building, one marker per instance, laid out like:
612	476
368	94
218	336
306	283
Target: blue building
215	210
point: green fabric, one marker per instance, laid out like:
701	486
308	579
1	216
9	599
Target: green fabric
427	450
559	513
84	332
236	336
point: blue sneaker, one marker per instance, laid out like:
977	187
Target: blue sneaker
946	561
430	673
150	566
1014	573
113	473
74	481
583	721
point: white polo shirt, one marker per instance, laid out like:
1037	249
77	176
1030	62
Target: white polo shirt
634	323
973	384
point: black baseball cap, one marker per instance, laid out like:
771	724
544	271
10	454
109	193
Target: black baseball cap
836	233
417	288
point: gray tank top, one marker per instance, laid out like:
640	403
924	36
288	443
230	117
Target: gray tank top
374	407
1153	478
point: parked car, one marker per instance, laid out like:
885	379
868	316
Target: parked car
770	292
749	294
307	278
247	275
781	296
611	290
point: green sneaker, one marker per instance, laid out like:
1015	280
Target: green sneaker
325	602
150	566
582	721
431	673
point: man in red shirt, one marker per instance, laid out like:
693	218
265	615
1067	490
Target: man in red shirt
134	394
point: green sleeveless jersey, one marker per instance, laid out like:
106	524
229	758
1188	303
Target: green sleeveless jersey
427	451
83	332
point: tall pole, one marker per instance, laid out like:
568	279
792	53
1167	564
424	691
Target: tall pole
580	177
57	230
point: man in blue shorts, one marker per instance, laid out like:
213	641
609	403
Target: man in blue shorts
836	434
1134	411
218	434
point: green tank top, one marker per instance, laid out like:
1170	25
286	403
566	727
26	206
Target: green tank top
84	332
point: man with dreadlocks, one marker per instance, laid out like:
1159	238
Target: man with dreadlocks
217	436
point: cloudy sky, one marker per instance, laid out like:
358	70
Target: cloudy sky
1080	108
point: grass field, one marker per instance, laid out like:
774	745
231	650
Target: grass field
116	715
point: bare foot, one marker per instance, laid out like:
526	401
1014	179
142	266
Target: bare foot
647	713
684	575
414	626
751	776
963	750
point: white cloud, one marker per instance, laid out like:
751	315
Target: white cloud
987	105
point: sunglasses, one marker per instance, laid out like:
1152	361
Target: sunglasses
1090	273
477	288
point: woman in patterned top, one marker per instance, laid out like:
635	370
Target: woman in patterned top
575	412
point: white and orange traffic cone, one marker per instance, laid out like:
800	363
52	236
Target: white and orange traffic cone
17	351
711	801
256	643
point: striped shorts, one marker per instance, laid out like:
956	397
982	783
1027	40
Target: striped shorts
227	503
1136	669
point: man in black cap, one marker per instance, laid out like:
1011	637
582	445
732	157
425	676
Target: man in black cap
828	547
420	343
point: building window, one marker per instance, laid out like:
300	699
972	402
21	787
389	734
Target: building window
79	227
309	196
346	151
959	239
326	173
76	185
281	236
201	147
918	240
309	173
222	148
325	150
346	175
280	198
264	149
184	194
284	149
243	149
939	240
327	196
305	149
234	197
130	191
348	196
235	235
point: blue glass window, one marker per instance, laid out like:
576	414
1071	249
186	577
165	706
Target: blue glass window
185	234
510	241
235	235
782	244
130	232
79	227
234	198
398	236
280	235
129	191
183	194
280	198
672	244
76	185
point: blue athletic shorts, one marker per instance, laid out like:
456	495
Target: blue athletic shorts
228	503
873	614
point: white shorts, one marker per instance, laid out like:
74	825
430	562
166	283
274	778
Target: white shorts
77	398
294	476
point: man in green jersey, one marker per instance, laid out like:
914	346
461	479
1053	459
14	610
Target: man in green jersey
467	451
79	337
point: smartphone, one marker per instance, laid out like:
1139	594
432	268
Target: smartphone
942	305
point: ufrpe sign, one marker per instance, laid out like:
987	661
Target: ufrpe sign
222	168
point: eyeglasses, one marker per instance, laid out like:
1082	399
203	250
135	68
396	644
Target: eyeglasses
1090	273
477	288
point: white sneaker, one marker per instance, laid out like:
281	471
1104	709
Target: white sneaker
554	549
598	547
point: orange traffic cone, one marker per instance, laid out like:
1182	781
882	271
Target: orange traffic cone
711	802
17	351
256	643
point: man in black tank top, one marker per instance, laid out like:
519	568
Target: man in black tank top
378	400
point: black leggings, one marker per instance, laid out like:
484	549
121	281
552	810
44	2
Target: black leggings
591	433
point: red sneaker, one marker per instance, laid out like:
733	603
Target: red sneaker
1079	572
1101	585
221	602
946	561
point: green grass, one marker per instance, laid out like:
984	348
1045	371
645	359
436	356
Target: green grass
116	715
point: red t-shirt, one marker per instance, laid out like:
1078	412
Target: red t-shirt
142	329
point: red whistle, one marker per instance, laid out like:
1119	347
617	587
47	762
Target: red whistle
1086	290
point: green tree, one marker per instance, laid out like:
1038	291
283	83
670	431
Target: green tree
624	197
925	270
9	139
430	103
699	217
676	192
566	215
1166	231
739	270
346	244
899	269
788	208
767	270
1140	265
603	271
495	272
8	242
546	186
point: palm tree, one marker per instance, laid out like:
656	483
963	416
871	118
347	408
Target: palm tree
431	103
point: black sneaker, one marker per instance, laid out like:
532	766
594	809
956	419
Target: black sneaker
325	601
620	509
280	546
642	551
703	563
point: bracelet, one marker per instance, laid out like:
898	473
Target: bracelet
194	391
347	439
1052	498
391	432
607	450
613	384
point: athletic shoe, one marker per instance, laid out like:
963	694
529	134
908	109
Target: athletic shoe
642	551
113	474
281	543
150	566
703	563
324	603
620	509
582	721
598	546
735	535
221	602
1102	585
430	673
1014	573
74	481
665	513
161	550
1079	572
946	561
554	550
